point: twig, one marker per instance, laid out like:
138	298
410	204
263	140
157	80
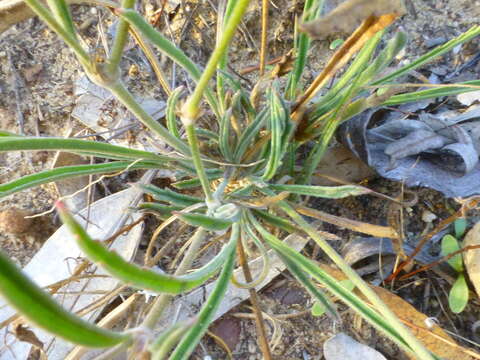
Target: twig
469	204
254	300
263	46
16	84
435	263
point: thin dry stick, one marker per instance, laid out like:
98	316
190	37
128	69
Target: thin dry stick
435	263
254	300
263	46
469	204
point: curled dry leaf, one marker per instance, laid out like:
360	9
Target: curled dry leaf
434	339
471	258
439	151
348	15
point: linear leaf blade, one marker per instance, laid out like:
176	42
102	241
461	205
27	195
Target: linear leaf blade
42	310
67	172
328	192
193	336
139	277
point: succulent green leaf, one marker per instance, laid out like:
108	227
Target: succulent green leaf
460	226
42	310
450	245
205	221
336	43
458	297
138	277
328	192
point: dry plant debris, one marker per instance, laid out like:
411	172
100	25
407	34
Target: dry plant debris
13	221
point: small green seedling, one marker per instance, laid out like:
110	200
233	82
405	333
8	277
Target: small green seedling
458	297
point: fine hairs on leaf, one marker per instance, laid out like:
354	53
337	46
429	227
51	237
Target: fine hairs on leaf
240	161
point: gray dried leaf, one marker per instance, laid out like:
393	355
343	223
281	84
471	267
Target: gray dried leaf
437	151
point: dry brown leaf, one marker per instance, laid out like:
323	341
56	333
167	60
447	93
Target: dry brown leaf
369	27
348	15
472	257
354	225
435	339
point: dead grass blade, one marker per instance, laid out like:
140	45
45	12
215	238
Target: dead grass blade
348	15
369	27
354	225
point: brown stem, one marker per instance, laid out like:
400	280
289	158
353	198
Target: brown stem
435	263
254	300
469	204
263	46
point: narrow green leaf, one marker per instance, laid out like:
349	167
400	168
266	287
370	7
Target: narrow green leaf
95	148
224	136
138	277
332	285
460	227
328	192
311	11
450	245
277	221
318	309
195	182
205	316
61	13
432	93
42	310
458	297
168	48
170	196
170	114
250	133
164	343
304	279
205	221
440	50
280	131
67	172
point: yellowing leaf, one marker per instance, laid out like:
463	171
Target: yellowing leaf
435	339
471	258
348	15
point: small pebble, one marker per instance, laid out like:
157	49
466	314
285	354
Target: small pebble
13	221
430	43
428	216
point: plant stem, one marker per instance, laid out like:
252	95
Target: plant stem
191	109
197	162
122	94
121	38
162	300
71	41
411	340
259	322
263	45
